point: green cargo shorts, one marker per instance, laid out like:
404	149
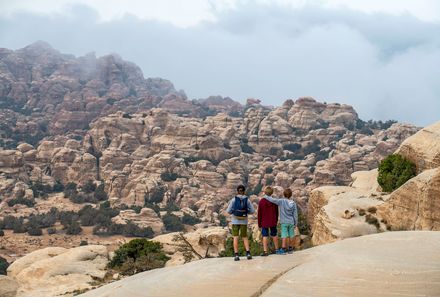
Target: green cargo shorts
287	230
239	230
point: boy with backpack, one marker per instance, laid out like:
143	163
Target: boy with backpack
288	219
267	220
239	207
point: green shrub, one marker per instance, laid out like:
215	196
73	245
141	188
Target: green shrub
36	231
155	195
58	187
169	176
394	171
3	265
23	201
138	255
73	228
303	225
245	148
223	220
172	223
40	190
100	194
51	231
293	147
190	220
89	187
255	247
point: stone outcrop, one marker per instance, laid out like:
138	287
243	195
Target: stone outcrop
371	264
196	245
146	218
56	271
415	205
340	212
423	148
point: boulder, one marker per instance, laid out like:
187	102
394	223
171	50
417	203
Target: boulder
423	148
57	271
415	205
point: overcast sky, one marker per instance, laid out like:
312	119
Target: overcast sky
382	57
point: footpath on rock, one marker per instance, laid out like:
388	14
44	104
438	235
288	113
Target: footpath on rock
385	264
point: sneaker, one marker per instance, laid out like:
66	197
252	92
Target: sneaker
280	252
290	251
248	256
264	254
236	258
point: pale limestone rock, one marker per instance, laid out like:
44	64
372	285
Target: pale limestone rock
45	151
24	147
8	286
198	244
56	271
10	159
146	218
415	205
330	207
19	265
423	148
371	264
73	144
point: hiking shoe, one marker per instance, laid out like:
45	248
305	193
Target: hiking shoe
248	256
290	251
236	258
264	254
281	252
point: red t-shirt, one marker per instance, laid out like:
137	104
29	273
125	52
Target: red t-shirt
267	214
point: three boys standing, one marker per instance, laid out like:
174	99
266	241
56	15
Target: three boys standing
268	207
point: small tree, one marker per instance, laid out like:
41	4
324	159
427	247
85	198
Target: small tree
138	255
73	228
89	187
35	231
100	193
190	220
394	171
172	223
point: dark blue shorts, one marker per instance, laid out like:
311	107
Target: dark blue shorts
265	231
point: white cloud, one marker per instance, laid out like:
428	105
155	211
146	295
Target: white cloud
191	12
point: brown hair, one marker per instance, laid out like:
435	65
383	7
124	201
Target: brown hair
268	191
287	193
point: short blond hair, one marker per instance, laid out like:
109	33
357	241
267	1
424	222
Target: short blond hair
268	191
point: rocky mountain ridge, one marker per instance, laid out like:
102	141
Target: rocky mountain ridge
111	134
44	92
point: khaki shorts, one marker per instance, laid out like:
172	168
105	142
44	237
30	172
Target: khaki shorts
239	230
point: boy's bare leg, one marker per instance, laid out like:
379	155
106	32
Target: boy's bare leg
246	243
265	240
275	242
236	244
284	243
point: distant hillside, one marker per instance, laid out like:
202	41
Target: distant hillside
44	92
